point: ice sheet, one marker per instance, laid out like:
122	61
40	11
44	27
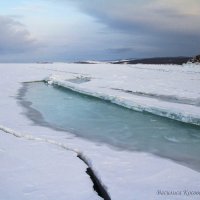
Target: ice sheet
126	175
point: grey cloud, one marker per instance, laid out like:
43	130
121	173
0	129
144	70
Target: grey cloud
14	38
120	50
171	26
154	14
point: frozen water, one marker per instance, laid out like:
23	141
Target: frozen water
126	174
101	121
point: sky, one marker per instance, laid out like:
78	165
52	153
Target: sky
72	30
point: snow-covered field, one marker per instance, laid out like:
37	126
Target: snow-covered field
39	169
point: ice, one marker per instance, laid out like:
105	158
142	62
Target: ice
125	175
104	122
165	90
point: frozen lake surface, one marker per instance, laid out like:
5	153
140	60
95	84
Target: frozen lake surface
102	121
126	172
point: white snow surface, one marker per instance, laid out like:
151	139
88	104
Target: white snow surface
40	170
170	91
36	170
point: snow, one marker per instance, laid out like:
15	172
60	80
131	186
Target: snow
167	91
37	169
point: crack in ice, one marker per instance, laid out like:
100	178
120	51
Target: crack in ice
99	187
127	103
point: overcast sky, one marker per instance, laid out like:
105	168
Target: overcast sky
67	30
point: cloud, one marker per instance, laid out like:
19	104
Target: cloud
14	38
120	50
170	15
100	29
169	27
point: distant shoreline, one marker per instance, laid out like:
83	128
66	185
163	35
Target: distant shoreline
156	60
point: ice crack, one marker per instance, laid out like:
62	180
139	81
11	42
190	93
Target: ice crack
99	187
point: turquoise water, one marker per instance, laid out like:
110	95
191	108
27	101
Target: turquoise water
104	122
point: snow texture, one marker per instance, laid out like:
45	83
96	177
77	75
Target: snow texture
36	170
162	90
39	170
